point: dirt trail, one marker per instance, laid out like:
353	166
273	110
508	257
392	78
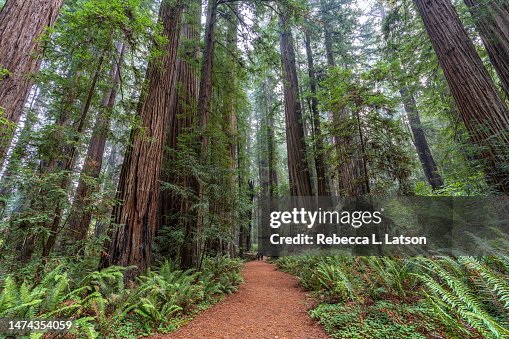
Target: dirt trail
269	304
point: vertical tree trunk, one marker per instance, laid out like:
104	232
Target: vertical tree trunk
138	189
421	144
485	114
245	236
204	107
347	168
361	185
250	217
263	169
230	115
176	209
321	169
79	219
21	23
420	141
204	103
492	22
328	34
271	138
300	179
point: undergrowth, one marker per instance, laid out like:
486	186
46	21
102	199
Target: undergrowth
383	297
103	307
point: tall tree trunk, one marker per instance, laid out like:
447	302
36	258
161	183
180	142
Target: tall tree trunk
485	114
250	217
79	219
205	101
321	169
263	170
300	179
176	209
21	23
343	144
420	141
271	137
204	107
421	144
230	117
138	189
492	22
361	185
327	34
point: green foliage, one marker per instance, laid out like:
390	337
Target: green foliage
4	72
377	296
56	295
80	53
380	320
468	290
215	269
367	121
414	65
104	307
6	125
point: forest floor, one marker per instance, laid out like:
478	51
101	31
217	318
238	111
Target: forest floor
269	304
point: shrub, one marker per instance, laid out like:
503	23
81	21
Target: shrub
372	296
102	306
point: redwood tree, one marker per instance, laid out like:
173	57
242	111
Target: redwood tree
204	113
135	217
321	174
484	113
492	22
300	179
21	24
420	142
347	181
205	100
178	209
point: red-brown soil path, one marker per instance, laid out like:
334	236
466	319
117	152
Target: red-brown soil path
269	304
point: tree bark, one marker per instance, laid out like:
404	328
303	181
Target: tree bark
484	113
300	179
492	22
250	216
21	23
204	103
421	144
79	219
230	117
204	108
176	209
135	218
327	34
321	169
271	137
347	168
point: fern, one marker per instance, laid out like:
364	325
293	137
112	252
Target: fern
498	285
101	304
461	296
